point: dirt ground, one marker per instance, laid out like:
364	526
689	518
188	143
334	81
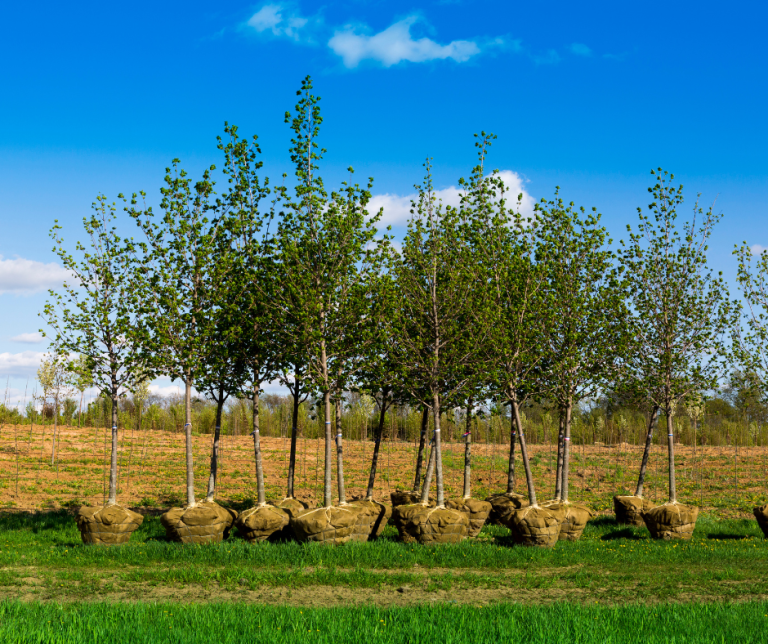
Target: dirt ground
728	480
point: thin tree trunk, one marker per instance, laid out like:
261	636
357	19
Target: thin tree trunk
438	454
566	450
646	451
80	413
340	455
215	451
671	444
327	477
112	498
524	454
188	440
377	444
428	476
559	470
260	491
468	453
294	432
511	466
422	442
55	426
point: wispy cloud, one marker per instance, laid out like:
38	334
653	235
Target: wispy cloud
580	49
397	208
758	249
396	44
28	338
20	365
283	20
26	276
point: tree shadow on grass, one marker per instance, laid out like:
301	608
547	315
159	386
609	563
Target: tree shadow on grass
36	521
722	536
623	533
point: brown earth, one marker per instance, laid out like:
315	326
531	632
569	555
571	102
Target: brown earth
726	480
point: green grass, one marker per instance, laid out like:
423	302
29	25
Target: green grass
224	623
41	557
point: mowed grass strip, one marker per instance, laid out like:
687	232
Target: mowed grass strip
223	623
41	557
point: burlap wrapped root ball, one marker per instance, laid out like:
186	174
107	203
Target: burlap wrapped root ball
292	506
372	521
504	504
108	525
422	524
573	518
629	509
761	514
477	512
264	522
334	524
534	526
205	522
404	497
671	521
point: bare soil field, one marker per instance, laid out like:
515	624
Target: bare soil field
727	481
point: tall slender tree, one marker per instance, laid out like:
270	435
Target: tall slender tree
584	312
185	277
434	273
329	258
682	316
99	314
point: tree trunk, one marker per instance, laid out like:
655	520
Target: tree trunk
428	475
377	444
188	439
261	493
422	442
559	471
647	450
511	467
566	450
340	455
671	444
468	453
112	498
215	451
524	453
294	432
55	426
438	455
327	477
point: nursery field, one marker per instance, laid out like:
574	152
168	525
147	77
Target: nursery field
615	584
725	481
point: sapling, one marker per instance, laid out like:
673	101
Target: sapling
99	314
681	315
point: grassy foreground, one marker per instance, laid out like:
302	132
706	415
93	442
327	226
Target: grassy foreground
42	558
129	623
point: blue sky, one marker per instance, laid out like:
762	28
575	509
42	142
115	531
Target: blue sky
98	98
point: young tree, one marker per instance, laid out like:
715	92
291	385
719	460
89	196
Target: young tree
185	278
583	314
681	317
435	273
329	258
99	315
56	383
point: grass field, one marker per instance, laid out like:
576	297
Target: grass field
559	623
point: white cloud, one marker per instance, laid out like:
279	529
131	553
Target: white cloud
395	44
280	20
28	338
757	249
580	49
397	208
25	276
20	365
